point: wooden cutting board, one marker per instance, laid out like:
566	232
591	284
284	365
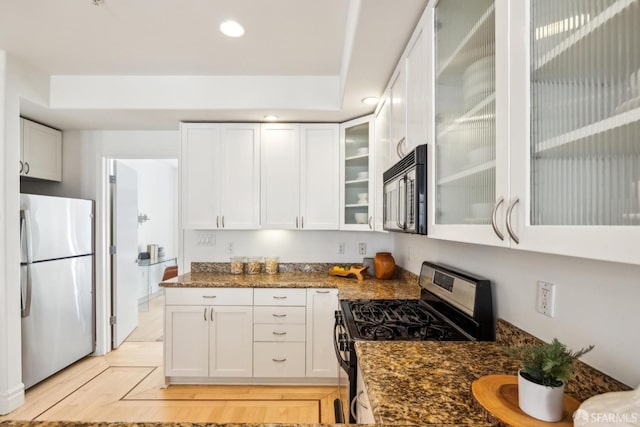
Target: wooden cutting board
498	395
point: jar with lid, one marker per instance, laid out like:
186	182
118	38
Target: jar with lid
271	265
237	264
254	265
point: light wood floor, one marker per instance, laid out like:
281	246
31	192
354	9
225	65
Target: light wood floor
127	385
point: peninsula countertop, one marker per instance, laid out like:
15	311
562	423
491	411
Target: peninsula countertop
405	287
428	382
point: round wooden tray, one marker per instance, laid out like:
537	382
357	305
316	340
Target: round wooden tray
498	395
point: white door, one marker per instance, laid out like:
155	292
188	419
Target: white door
124	277
187	340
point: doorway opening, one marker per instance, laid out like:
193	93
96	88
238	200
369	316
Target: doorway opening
143	234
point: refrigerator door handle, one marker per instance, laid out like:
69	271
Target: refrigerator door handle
25	291
26	251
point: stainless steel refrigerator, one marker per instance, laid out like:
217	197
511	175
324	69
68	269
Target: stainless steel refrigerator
57	284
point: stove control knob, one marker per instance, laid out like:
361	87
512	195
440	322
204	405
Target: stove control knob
343	342
338	316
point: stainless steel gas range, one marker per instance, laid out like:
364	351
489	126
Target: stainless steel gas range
453	306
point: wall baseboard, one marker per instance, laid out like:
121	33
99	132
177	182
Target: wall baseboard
11	399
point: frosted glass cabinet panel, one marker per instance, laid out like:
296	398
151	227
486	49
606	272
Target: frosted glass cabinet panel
585	112
465	111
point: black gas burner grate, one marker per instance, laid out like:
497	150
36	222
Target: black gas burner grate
386	320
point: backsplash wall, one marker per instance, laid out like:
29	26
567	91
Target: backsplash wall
596	302
289	245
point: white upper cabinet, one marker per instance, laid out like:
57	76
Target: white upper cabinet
398	96
220	172
319	177
417	89
468	160
382	138
300	173
575	104
40	151
357	158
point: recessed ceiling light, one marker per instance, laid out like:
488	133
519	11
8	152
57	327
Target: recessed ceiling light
270	118
370	100
231	29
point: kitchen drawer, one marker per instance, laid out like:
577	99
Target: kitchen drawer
208	296
279	315
280	296
278	359
278	332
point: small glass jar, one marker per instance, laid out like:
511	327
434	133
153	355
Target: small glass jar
271	265
254	265
237	264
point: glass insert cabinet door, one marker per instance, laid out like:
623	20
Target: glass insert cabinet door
465	111
585	112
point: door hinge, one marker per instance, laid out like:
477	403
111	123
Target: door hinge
112	250
113	320
112	179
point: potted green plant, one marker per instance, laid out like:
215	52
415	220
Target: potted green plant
545	370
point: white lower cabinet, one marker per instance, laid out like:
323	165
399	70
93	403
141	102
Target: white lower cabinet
230	341
266	335
213	340
321	357
361	404
278	359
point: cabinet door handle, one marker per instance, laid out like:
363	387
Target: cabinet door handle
279	333
284	359
302	222
222	221
208	296
204	314
322	292
362	405
514	202
211	314
296	222
21	166
494	223
279	297
217	221
279	315
370	219
26	164
353	406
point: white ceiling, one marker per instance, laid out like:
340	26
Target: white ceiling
358	41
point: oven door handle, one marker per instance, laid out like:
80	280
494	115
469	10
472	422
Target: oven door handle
341	360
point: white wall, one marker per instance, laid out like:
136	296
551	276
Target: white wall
290	246
16	81
596	302
157	198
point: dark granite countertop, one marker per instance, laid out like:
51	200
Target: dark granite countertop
428	382
348	288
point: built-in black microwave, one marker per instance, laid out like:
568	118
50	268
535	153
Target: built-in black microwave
405	193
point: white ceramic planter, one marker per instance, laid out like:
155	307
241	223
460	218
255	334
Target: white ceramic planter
538	401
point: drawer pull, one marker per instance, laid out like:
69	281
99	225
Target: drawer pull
322	292
279	333
279	297
280	360
208	296
279	315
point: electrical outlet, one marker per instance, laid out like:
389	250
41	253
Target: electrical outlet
206	239
362	248
546	298
340	248
230	247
